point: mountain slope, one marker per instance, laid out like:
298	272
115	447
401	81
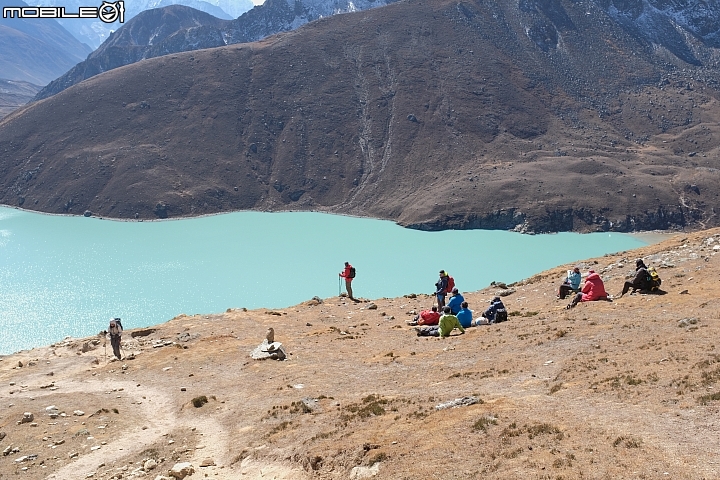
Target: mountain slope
94	32
166	34
151	33
14	94
434	114
36	50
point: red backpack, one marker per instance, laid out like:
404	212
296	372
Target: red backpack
450	285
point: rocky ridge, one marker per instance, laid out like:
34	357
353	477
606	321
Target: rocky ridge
175	28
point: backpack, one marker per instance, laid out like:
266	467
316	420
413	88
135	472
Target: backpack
352	272
653	279
450	285
501	315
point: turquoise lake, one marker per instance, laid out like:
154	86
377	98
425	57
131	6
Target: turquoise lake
66	276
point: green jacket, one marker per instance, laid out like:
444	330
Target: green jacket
447	324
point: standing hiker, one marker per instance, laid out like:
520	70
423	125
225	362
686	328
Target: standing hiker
115	331
348	274
441	288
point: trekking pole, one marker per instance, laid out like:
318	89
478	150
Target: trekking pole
339	285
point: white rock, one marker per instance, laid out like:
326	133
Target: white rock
181	470
149	465
364	472
78	413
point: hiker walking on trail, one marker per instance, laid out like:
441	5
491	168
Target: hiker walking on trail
571	283
115	331
348	274
594	289
640	282
443	286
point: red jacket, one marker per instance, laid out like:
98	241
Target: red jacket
428	317
594	288
346	273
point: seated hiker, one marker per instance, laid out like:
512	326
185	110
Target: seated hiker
464	315
571	283
496	313
642	280
426	317
455	301
448	322
594	289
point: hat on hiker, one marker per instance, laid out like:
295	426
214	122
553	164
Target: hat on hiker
455	290
442	272
639	262
495	299
591	271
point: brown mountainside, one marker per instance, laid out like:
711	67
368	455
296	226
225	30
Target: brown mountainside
434	114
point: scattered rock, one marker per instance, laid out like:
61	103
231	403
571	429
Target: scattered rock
411	295
149	465
208	462
686	322
684	292
459	402
270	335
78	413
372	306
28	417
7	451
505	293
364	472
265	350
181	470
2	435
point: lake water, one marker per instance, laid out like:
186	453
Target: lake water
66	276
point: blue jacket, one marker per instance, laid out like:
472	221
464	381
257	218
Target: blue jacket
574	280
455	302
465	317
492	311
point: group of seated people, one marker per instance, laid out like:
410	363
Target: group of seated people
456	314
594	288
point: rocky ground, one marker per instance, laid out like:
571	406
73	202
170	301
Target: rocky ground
622	389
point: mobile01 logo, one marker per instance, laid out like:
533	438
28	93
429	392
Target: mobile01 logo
108	12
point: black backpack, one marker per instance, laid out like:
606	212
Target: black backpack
352	272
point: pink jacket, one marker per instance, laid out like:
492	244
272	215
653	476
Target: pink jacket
594	288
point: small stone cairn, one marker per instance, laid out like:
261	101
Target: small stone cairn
269	348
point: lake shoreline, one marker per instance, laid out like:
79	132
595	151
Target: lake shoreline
652	234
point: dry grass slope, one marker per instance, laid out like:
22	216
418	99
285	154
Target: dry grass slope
622	389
